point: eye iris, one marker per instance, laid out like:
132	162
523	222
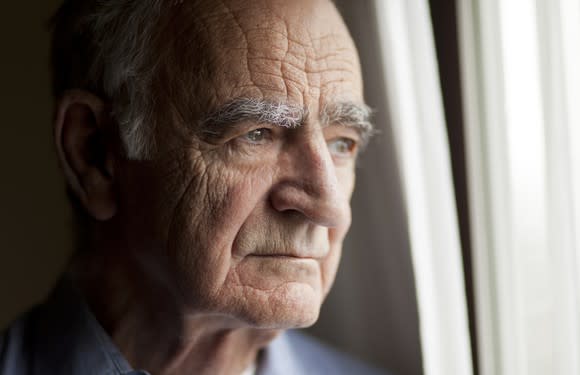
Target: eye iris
256	135
343	146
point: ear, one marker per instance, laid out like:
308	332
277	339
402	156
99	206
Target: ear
85	151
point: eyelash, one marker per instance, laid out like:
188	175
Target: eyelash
252	142
266	133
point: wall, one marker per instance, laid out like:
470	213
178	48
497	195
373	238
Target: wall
33	236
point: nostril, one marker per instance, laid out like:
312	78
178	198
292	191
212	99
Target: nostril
293	214
285	198
300	203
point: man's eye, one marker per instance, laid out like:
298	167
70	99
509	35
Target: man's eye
258	136
342	147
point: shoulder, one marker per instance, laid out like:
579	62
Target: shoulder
59	336
16	347
303	354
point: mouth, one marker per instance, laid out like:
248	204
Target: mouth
281	256
291	255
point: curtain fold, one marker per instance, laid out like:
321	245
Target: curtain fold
521	88
417	117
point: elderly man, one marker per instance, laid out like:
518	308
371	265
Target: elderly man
209	148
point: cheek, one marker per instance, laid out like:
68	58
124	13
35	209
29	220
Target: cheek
330	264
200	239
336	237
346	179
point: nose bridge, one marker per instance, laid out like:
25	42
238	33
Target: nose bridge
318	170
312	186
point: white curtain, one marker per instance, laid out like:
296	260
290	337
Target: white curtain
521	61
415	101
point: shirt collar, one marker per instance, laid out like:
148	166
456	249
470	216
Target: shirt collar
279	358
72	341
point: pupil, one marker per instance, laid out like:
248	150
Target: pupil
256	135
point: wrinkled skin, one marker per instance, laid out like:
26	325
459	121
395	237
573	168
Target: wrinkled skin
218	204
235	233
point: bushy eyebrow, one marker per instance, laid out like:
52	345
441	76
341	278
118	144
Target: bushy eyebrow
285	115
349	114
250	109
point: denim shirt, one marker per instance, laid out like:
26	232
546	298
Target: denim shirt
62	336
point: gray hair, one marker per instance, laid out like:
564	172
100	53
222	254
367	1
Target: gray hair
259	110
341	112
109	48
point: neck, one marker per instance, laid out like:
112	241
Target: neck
156	333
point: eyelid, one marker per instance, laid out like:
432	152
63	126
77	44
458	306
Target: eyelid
228	132
346	130
268	135
343	131
241	129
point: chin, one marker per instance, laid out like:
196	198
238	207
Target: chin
273	293
294	305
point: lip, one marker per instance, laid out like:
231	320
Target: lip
290	255
282	256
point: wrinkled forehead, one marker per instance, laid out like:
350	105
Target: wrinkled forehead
294	51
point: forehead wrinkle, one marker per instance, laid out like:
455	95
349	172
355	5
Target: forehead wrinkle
250	109
350	114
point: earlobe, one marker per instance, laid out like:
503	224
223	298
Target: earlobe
85	152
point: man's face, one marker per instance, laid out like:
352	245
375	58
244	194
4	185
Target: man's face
247	219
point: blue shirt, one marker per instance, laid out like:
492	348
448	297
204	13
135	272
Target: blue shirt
62	336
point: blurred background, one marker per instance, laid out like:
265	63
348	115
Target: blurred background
34	236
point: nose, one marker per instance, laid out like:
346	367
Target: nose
310	185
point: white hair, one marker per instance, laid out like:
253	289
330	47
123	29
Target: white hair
341	112
108	46
259	110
